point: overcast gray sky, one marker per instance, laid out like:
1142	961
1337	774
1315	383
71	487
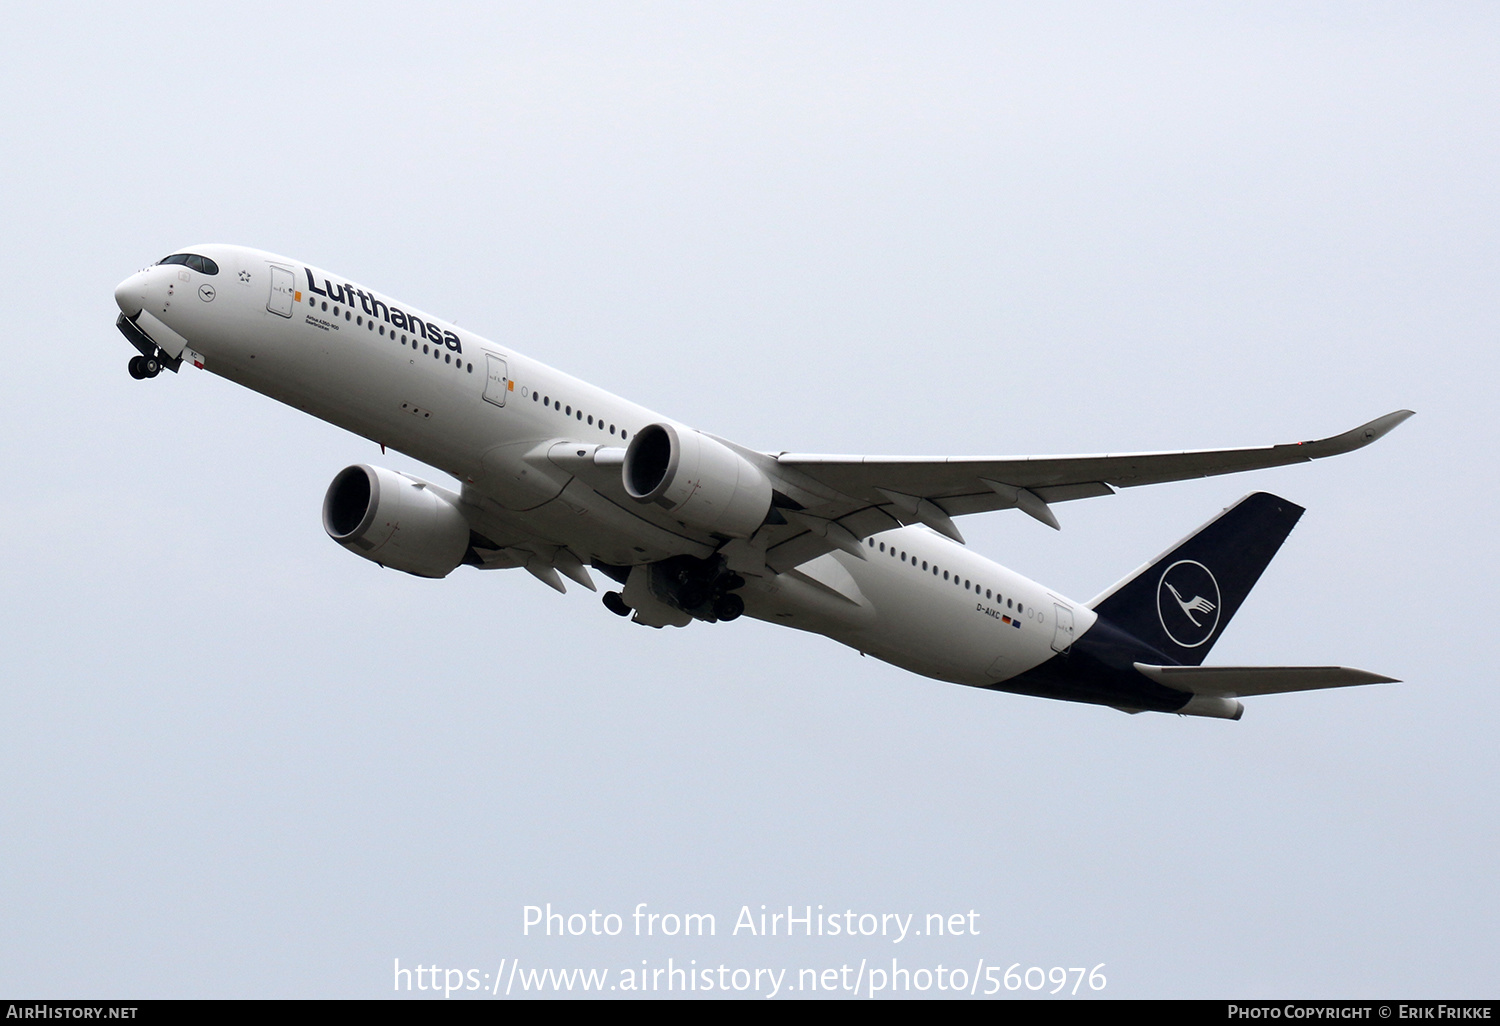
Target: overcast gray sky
239	761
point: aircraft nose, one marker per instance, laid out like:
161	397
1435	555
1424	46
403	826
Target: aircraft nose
130	294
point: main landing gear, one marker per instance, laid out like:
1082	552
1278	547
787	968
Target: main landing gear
729	607
702	588
142	367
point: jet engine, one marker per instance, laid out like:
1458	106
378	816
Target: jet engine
704	483
396	521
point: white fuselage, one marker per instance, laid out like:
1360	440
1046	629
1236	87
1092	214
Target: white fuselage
475	409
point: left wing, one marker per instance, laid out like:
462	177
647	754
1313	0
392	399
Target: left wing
838	500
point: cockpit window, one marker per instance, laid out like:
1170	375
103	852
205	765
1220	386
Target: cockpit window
201	264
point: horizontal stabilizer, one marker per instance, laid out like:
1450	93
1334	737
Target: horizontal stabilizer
1242	681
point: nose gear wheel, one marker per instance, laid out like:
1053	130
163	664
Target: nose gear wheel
142	367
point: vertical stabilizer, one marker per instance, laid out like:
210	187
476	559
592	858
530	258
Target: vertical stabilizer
1182	601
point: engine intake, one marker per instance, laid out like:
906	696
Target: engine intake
397	521
704	483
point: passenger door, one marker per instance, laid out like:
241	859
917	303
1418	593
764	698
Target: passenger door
1062	637
283	283
497	380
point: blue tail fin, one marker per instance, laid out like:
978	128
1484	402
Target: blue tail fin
1182	601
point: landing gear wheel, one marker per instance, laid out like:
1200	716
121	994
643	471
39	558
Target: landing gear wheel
150	366
135	367
728	607
615	603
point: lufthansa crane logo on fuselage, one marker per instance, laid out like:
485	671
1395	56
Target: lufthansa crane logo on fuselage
1187	603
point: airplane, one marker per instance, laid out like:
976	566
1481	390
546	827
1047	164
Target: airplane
559	477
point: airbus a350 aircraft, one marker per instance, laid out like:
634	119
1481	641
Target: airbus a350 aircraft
557	476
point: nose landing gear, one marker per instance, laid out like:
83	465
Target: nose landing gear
153	359
142	367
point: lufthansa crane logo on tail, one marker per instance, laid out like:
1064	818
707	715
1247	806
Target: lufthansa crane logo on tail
1187	602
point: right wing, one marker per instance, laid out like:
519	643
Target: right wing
842	499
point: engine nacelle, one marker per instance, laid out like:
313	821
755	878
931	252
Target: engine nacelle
396	521
704	483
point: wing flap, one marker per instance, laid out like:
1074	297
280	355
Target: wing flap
1243	681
